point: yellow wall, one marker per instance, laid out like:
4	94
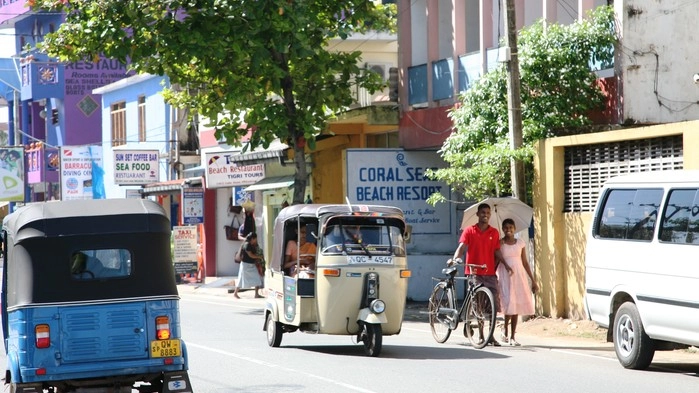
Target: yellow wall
559	237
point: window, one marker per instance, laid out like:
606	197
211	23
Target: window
630	214
142	118
118	115
386	140
587	167
100	264
680	222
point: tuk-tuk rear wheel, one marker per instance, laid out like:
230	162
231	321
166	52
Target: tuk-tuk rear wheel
274	332
372	337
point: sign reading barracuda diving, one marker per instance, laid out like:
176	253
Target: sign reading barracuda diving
396	177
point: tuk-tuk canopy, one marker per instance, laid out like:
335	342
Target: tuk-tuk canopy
41	238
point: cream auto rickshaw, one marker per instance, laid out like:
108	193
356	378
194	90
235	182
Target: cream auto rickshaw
355	283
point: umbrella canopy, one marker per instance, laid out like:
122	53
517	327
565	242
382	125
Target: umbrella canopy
500	209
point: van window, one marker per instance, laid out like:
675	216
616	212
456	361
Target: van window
630	214
680	222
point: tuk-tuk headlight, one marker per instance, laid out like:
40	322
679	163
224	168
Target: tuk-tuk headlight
377	306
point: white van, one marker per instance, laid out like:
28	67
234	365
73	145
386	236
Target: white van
642	264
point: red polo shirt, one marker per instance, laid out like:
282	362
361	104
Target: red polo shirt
481	248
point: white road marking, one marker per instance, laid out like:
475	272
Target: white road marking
276	366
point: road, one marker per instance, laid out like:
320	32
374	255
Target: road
228	352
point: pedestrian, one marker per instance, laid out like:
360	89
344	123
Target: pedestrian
515	290
481	242
248	275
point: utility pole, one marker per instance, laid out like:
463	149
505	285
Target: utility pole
514	102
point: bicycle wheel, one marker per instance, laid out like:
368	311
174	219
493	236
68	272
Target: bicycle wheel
439	321
480	317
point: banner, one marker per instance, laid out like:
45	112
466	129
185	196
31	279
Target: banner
193	205
12	174
82	173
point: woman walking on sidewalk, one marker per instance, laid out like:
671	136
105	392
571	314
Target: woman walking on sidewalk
515	292
248	275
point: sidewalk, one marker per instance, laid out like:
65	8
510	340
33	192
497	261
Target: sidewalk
539	331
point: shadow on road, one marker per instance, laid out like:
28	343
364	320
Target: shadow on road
406	352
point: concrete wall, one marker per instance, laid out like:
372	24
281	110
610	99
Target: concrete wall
657	60
560	238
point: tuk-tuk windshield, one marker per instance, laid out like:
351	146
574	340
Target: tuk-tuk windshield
375	237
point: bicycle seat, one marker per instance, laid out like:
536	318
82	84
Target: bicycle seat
451	270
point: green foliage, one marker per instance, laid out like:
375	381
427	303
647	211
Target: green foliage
262	63
558	90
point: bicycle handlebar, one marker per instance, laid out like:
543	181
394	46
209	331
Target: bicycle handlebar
458	261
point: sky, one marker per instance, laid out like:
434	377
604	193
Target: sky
7	49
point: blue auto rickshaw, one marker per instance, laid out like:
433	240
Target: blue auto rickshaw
89	299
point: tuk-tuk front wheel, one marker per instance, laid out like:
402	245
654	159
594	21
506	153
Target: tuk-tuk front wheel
274	332
372	337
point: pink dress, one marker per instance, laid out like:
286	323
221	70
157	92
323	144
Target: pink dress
515	290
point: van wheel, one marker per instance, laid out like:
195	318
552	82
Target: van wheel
274	332
633	347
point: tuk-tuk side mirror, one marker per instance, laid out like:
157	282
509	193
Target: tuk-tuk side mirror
408	233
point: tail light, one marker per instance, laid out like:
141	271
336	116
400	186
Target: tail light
162	328
43	336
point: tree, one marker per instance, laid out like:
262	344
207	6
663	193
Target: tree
260	63
558	91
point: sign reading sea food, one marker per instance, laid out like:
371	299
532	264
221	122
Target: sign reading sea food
395	177
11	174
136	167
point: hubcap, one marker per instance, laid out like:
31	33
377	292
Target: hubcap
625	335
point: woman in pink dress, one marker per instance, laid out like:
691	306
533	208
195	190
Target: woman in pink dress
515	291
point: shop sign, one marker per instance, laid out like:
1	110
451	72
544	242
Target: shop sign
136	167
222	171
396	177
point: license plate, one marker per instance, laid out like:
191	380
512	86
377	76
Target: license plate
165	348
383	259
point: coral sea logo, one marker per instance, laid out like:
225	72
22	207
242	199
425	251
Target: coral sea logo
400	157
72	183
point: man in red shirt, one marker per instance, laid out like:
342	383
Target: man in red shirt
482	245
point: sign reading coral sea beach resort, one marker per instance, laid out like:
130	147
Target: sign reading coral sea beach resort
221	171
135	167
395	177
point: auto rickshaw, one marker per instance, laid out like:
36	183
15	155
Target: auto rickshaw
355	283
89	300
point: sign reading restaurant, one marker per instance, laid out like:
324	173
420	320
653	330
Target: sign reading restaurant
222	171
135	167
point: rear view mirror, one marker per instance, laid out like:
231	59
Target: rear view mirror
407	235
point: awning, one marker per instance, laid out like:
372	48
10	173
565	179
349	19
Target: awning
169	186
9	77
272	183
259	157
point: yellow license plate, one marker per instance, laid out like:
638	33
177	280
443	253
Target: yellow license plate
165	348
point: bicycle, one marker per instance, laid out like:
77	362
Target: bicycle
478	307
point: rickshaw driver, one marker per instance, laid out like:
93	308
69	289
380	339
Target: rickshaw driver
306	254
85	267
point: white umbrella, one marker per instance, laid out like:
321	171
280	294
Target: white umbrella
500	209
